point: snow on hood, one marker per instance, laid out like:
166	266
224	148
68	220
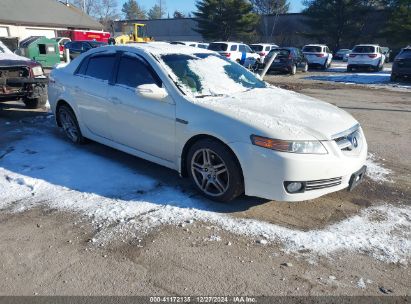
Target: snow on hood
6	54
282	114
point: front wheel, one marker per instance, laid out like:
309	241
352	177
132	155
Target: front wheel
35	103
293	70
214	170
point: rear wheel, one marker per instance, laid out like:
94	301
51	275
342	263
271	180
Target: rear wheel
293	70
349	69
70	125
38	102
214	170
394	77
305	68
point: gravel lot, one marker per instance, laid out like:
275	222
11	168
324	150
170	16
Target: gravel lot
94	221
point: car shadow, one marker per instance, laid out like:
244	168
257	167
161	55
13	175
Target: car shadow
44	153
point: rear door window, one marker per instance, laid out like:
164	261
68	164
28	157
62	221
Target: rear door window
101	67
134	71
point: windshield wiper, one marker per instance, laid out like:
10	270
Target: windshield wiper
209	95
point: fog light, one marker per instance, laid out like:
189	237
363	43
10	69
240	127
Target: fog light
294	187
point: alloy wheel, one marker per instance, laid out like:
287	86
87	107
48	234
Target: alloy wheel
210	172
68	124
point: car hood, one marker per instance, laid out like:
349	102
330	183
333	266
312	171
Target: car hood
282	114
10	59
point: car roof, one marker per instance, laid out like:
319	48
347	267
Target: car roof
163	48
228	42
375	45
315	45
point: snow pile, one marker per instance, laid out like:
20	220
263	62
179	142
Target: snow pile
377	79
44	170
375	171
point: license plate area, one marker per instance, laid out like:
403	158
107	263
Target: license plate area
357	178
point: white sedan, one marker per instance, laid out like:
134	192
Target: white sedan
210	119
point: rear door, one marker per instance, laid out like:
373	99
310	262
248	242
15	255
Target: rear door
144	124
90	91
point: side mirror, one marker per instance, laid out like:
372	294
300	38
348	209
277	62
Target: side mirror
151	91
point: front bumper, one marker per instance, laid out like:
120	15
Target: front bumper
265	171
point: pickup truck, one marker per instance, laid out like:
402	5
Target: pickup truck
21	78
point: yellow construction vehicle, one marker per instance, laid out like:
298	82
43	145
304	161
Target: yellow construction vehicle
135	32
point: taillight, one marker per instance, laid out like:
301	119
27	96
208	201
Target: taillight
372	55
320	55
226	54
261	54
353	55
61	48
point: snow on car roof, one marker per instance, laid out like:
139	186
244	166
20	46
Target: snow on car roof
367	45
315	45
162	48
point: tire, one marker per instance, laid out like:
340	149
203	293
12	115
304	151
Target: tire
349	69
35	103
377	67
70	126
205	159
394	77
293	70
305	69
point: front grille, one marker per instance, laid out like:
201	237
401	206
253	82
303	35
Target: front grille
350	140
323	183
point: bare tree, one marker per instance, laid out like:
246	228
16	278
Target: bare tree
106	12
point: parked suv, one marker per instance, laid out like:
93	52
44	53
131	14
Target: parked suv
288	60
262	49
79	47
318	55
402	64
235	51
366	56
21	78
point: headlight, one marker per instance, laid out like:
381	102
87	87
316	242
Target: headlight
302	147
37	71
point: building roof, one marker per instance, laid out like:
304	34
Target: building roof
51	13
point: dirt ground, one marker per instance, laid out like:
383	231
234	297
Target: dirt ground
48	252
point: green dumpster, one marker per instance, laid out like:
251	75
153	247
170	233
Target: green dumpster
41	49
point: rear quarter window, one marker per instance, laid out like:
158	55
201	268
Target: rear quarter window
101	67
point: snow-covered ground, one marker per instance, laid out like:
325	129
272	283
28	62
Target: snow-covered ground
337	73
43	169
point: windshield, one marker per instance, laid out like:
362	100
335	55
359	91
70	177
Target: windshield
218	47
256	47
363	49
95	44
4	49
281	53
210	75
312	49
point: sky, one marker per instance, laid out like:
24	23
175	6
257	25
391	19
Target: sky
187	6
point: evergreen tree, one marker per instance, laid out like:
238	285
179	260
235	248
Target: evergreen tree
156	12
177	15
225	19
270	7
398	28
337	21
132	10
